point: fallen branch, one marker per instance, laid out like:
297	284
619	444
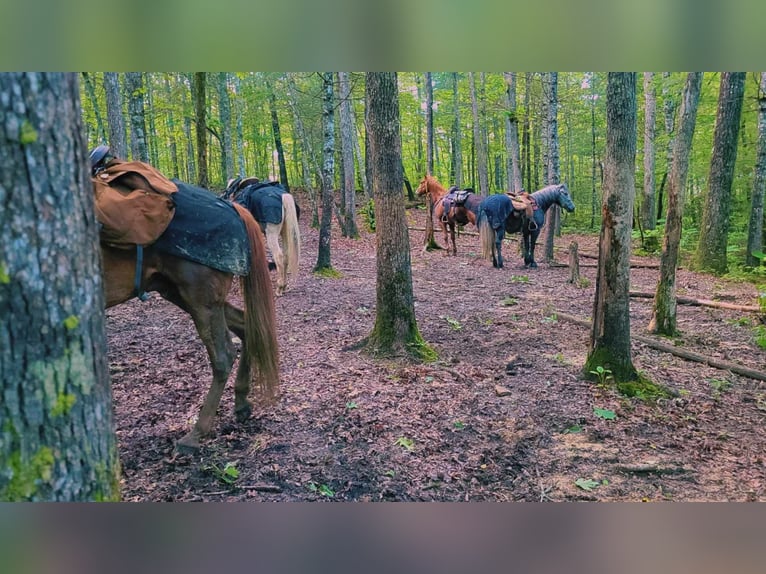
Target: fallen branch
701	302
678	352
262	487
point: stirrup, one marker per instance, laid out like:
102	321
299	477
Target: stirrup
531	223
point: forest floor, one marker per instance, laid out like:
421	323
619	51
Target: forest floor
504	414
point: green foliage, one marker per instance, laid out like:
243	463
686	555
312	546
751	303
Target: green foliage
587	483
602	374
28	476
605	414
328	273
458	425
454	323
720	385
27	134
759	334
406	443
228	474
509	302
519	278
351	405
4	277
322	489
367	212
71	322
573	429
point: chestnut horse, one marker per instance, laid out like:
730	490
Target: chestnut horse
201	291
450	208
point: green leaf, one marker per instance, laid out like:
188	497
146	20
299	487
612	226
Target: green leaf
351	405
605	414
405	442
573	429
458	425
71	322
587	483
325	490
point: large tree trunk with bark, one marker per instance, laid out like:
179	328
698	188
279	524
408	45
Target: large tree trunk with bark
648	216
714	231
347	153
114	118
278	138
457	148
224	116
199	91
328	171
57	440
664	311
610	335
134	86
755	228
552	168
396	330
429	88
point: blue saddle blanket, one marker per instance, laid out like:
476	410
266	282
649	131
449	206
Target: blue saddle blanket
207	230
264	201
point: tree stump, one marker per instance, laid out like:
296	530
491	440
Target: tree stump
574	264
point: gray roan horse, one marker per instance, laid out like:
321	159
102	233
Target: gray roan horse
497	216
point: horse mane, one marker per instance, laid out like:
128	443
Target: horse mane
429	180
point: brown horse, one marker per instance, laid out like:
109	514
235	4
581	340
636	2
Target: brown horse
201	291
450	209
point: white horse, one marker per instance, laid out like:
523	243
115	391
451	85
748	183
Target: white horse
277	213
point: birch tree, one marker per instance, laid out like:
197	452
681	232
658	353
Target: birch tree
648	211
755	228
324	264
663	318
347	153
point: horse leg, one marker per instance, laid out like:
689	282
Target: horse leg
529	251
243	408
499	235
272	240
452	237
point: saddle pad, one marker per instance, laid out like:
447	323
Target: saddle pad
498	208
264	201
206	230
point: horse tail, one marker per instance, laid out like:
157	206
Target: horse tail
262	356
486	235
291	234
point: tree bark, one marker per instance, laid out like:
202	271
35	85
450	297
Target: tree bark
395	331
714	230
347	153
200	112
610	336
669	107
648	212
755	228
663	318
328	172
429	88
224	116
171	125
513	166
91	91
552	168
114	117
134	85
151	136
457	148
57	440
277	138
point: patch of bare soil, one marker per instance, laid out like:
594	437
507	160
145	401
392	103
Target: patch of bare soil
503	415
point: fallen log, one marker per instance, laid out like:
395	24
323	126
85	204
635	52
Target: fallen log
701	302
678	352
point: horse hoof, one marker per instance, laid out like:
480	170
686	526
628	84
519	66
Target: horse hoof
243	413
188	444
533	265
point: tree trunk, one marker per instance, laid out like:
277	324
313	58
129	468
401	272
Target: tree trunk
151	137
648	215
594	194
396	330
171	125
513	166
663	318
347	152
552	138
134	85
714	231
91	91
277	138
57	440
457	148
526	175
481	152
308	153
224	116
328	172
669	106
200	112
755	228
114	117
610	336
241	167
429	88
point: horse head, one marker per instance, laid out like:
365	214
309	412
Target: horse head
563	198
422	188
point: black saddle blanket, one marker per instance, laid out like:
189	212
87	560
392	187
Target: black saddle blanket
264	201
207	230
